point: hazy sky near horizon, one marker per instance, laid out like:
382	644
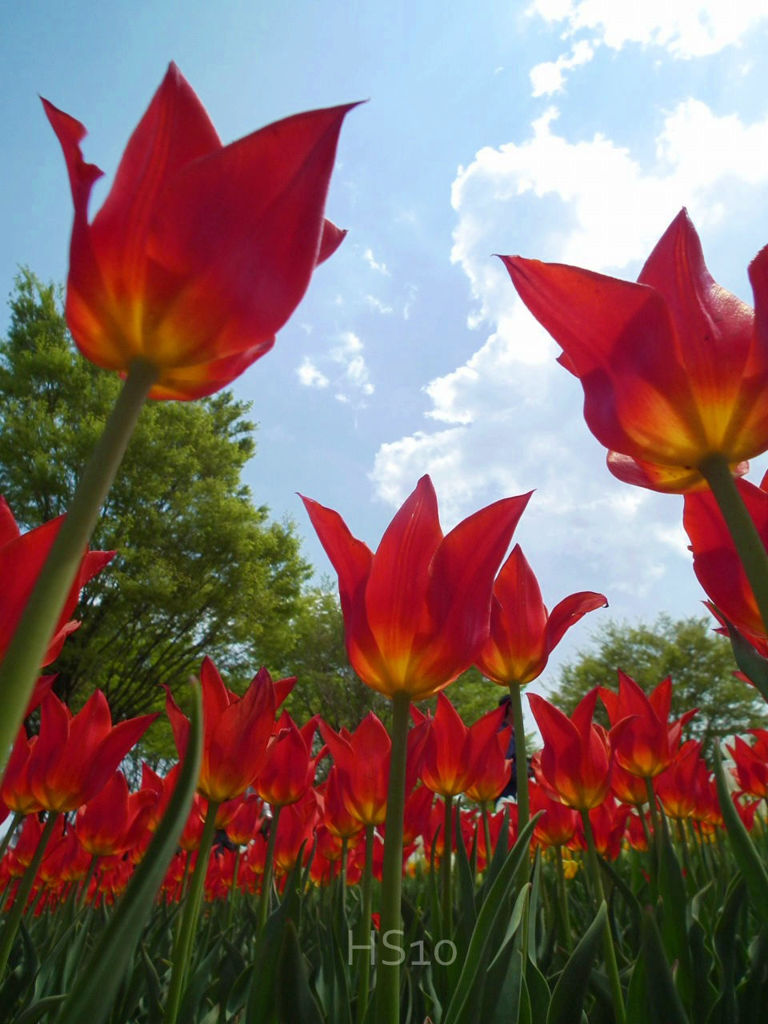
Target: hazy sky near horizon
566	130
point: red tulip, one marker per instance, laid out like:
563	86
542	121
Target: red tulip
114	820
362	762
523	634
715	562
15	791
21	558
74	756
575	763
672	367
288	769
417	611
337	819
557	824
200	252
609	823
751	769
236	731
247	821
649	746
683	789
457	759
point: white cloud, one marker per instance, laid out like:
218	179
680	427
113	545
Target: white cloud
310	377
378	305
684	28
374	264
509	418
549	78
348	354
344	367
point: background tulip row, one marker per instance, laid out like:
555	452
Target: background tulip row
305	874
288	844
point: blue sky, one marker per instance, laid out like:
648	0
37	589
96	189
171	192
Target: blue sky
568	130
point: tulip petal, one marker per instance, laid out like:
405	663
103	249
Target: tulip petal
399	578
567	613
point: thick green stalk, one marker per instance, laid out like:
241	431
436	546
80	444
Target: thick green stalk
609	952
86	881
562	899
24	655
186	936
446	895
521	760
266	878
388	976
13	920
364	929
487	835
748	543
233	890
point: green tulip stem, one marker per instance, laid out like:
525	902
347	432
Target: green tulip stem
487	834
234	892
747	540
86	881
25	653
266	878
609	951
364	936
388	976
185	937
343	869
22	893
446	896
521	760
562	899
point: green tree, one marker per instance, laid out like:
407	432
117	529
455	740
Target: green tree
698	660
327	684
199	570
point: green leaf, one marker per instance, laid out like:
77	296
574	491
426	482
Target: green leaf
38	1010
747	857
568	996
663	1000
295	1002
509	1004
674	909
495	903
100	978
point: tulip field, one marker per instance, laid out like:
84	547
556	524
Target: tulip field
291	872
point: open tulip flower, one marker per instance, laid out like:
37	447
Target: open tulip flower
288	769
361	762
236	731
21	558
200	252
417	611
75	756
672	367
523	634
649	746
456	757
114	820
575	762
750	768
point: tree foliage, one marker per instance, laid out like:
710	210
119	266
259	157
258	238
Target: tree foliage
698	660
200	569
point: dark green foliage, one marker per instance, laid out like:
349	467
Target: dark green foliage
699	661
200	569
